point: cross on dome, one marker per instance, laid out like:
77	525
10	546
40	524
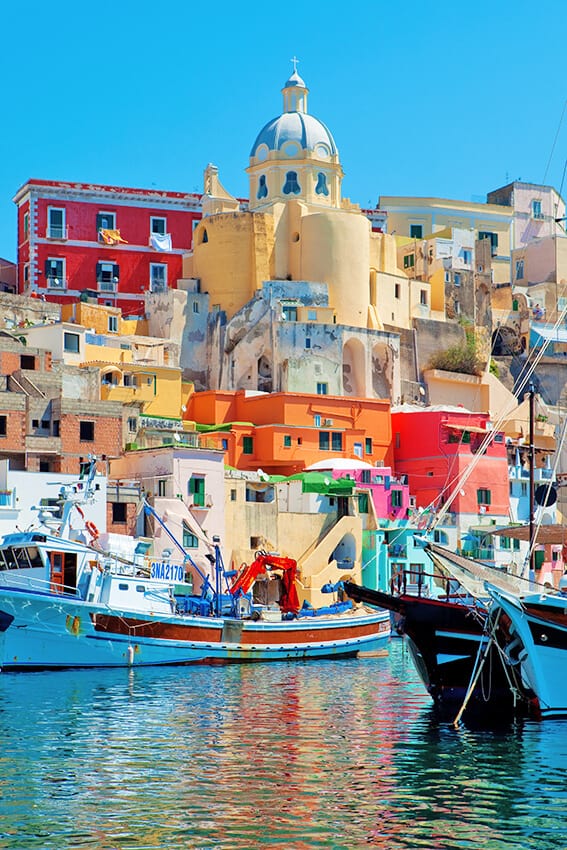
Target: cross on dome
295	60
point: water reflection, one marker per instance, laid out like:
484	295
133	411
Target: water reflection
338	755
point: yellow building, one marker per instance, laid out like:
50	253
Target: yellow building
298	227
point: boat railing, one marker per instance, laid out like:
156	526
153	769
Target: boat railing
433	585
10	578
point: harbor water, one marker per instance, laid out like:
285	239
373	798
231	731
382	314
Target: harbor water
342	754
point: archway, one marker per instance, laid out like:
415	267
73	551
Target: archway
354	369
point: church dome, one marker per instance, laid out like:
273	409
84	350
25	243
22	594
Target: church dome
304	129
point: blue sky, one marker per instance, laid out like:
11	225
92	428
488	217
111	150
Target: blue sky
446	99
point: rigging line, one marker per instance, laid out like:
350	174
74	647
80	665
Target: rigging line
486	441
554	142
562	179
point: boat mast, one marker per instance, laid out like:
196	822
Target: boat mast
531	484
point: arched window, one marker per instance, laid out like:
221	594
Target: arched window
321	188
205	237
291	185
262	188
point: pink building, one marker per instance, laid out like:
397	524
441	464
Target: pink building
389	493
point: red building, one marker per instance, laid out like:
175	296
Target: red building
108	243
434	447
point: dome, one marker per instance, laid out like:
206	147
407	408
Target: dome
295	80
300	127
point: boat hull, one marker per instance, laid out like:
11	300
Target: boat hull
445	638
43	631
541	626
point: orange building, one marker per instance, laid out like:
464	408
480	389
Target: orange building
284	433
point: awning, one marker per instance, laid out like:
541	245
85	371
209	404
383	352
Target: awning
473	429
544	534
323	483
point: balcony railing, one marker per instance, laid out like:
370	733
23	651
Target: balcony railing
107	285
56	231
56	282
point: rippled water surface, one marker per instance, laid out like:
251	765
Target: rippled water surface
319	755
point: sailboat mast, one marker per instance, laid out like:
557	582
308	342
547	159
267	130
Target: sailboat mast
532	489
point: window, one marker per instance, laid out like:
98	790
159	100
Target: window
536	209
493	237
262	188
357	450
363	503
483	497
505	543
26	273
118	512
457	306
113	324
324	441
322	388
287	441
107	276
26	225
197	490
161	486
233	495
158	277
307	342
416	231
321	188
396	290
86	431
519	269
71	342
56	428
368	445
3	425
365	476
55	273
55	223
396	498
312	315
423	297
224	444
105	221
337	441
409	261
457	279
190	540
158	225
467	256
291	185
132	424
516	544
289	313
248	445
317	420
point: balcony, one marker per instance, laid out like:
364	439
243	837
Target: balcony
57	283
200	502
57	232
107	285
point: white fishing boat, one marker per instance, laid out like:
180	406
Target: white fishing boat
66	602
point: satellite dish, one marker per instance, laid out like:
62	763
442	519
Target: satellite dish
176	436
545	496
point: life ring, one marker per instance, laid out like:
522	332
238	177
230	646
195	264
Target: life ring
92	529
